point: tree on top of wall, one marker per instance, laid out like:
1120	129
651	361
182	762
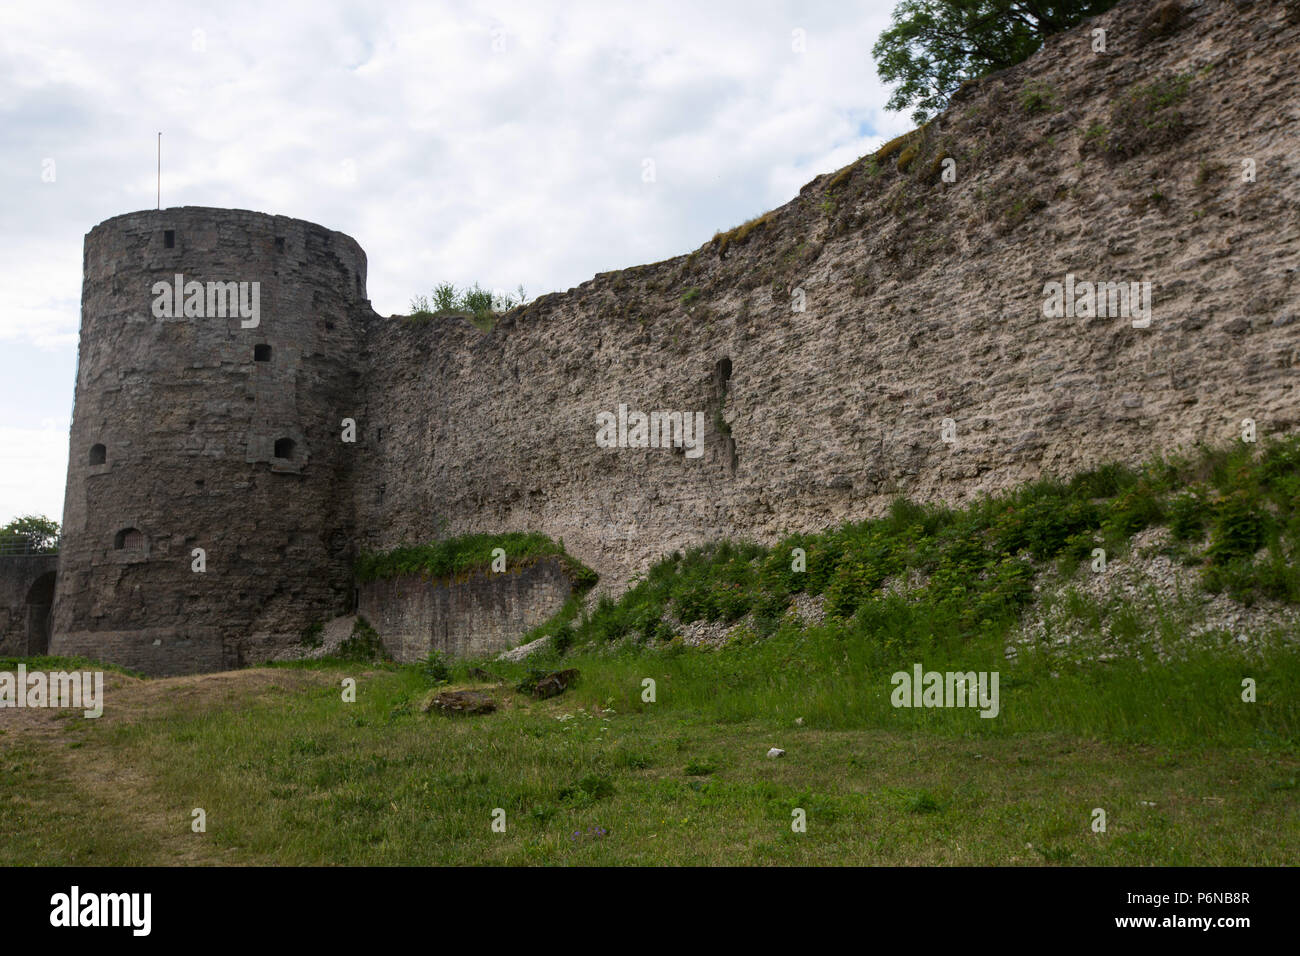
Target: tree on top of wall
933	46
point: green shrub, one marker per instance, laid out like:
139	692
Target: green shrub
1239	528
473	301
1132	511
445	297
563	638
1278	575
977	565
363	644
1189	512
924	802
1044	526
1104	482
477	300
435	668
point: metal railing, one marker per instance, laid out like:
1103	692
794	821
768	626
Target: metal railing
21	546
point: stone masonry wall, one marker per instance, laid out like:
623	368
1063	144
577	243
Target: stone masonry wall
188	419
26	590
924	302
830	350
470	615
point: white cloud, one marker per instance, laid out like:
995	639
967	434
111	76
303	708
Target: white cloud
401	125
35	468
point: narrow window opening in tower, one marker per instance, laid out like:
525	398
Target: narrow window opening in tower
128	539
98	454
279	243
261	353
360	289
169	238
284	448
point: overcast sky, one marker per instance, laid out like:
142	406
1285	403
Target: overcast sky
502	143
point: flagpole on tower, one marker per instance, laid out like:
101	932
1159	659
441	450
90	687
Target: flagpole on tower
160	169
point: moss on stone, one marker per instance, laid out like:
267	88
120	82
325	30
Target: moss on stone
935	167
742	232
907	157
894	147
842	176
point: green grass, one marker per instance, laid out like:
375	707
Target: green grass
894	147
1157	735
474	303
1037	97
302	778
737	236
979	564
468	553
1146	116
66	664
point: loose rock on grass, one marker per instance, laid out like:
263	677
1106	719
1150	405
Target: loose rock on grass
459	703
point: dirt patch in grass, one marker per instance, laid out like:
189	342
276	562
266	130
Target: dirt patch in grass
113	796
129	699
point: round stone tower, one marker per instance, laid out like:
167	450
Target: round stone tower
207	518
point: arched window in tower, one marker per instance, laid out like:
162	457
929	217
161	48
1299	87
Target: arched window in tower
284	448
98	454
128	539
261	353
169	238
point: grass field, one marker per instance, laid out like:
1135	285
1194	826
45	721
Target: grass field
288	773
1184	736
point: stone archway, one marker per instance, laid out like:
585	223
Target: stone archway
40	611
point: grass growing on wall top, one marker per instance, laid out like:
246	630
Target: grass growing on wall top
480	306
468	553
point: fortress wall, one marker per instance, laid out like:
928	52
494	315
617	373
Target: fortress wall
471	615
25	599
826	351
189	420
924	301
